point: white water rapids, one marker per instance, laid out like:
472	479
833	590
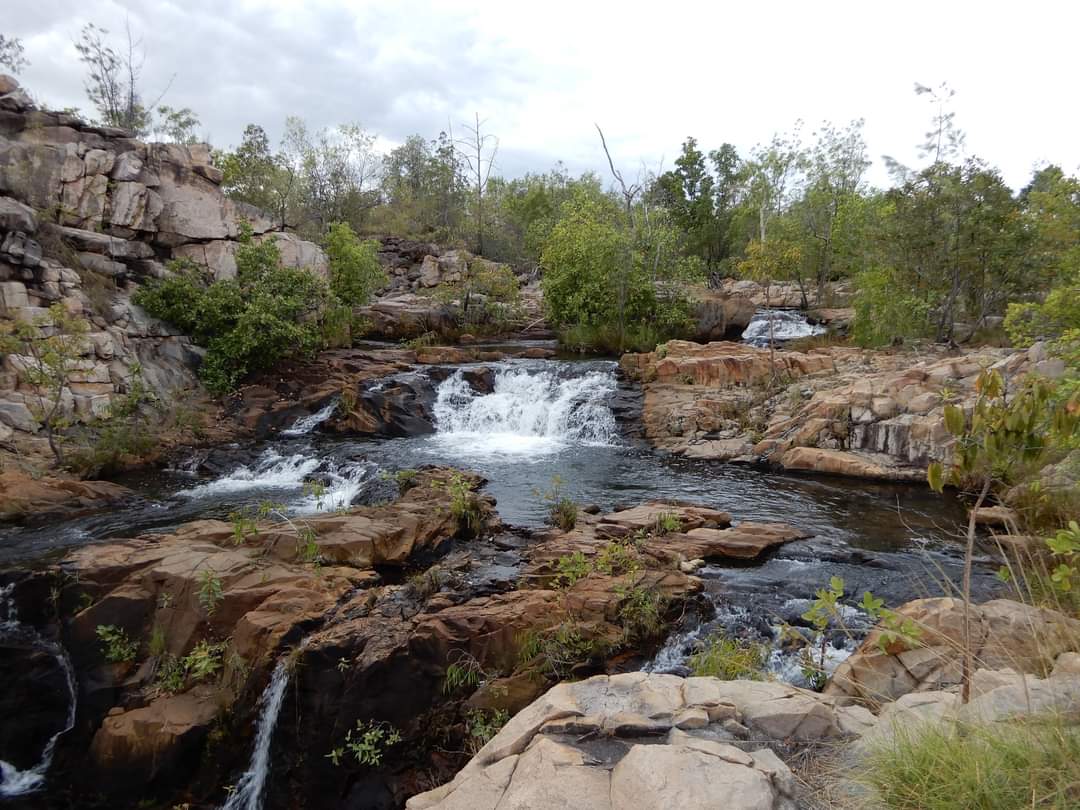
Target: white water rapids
528	412
14	782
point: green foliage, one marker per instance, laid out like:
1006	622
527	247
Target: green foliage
129	429
463	672
465	505
267	313
1065	545
1001	766
406	479
211	592
729	659
570	568
640	612
48	352
668	523
116	645
355	272
557	650
562	512
204	662
600	273
885	311
244	525
368	743
617	559
482	725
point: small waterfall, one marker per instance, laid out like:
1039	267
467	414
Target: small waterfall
529	410
786	325
270	471
306	424
249	788
14	782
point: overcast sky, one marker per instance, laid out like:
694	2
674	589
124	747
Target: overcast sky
542	74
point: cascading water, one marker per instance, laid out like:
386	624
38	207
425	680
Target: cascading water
14	782
786	325
306	424
249	788
277	474
529	411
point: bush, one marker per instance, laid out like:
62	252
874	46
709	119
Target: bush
729	659
1005	766
355	272
885	312
248	324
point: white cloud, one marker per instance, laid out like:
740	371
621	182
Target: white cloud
651	75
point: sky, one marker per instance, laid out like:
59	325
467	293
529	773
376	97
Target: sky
543	74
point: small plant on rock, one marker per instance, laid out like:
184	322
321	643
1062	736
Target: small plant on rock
367	743
483	725
640	612
570	568
730	659
668	523
211	592
118	648
464	672
561	511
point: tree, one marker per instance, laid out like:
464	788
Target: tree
176	125
112	79
48	351
479	152
779	259
251	173
12	54
337	170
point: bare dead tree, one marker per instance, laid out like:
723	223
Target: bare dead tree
479	151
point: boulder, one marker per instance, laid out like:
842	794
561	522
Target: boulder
1005	634
14	216
23	497
639	740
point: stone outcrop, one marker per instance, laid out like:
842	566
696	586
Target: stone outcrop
22	496
1005	634
375	645
836	410
648	741
86	214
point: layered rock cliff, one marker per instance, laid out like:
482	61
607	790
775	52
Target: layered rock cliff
86	214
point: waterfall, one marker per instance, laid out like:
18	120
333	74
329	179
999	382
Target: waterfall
14	782
529	410
306	424
786	325
342	481
249	788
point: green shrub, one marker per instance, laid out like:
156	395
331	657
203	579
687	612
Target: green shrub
116	644
464	505
562	512
1004	766
355	272
247	324
885	311
483	725
211	592
729	659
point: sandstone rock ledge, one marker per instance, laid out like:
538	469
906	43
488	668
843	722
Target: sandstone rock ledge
639	741
835	410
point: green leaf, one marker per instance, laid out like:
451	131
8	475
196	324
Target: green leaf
954	420
935	474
